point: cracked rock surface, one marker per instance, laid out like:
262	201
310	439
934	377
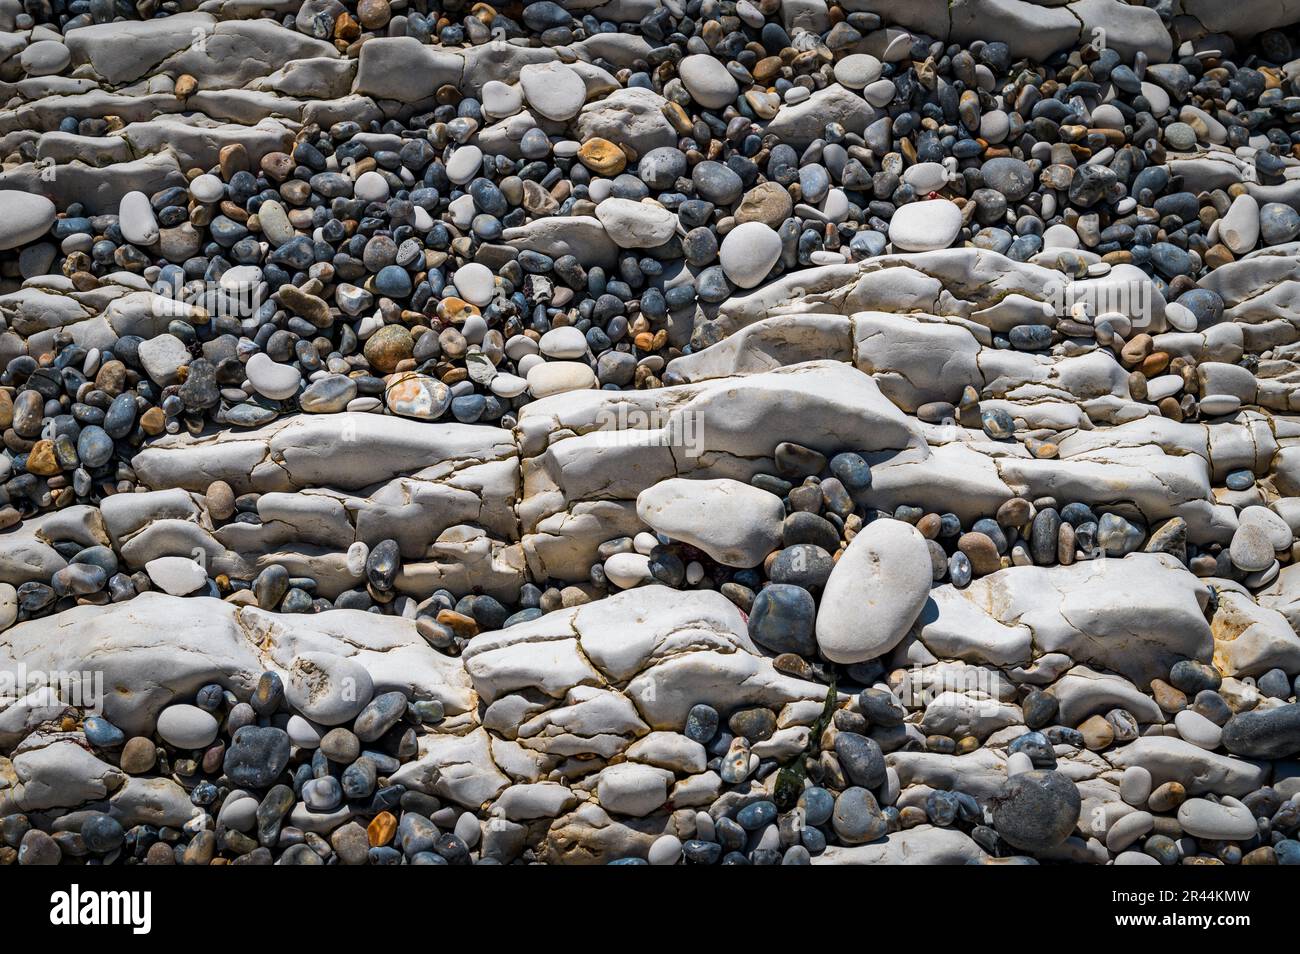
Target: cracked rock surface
649	431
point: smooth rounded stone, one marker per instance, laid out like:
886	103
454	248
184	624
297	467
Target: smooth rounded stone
748	253
464	164
322	795
1128	829
278	382
326	688
1060	236
136	219
926	176
736	524
475	283
45	58
207	188
701	723
1271	733
102	833
767	202
553	90
875	592
101	733
717	183
707	80
26	218
1198	730
340	745
636	224
861	759
1215	405
564	343
302	732
370	187
925	226
880	93
418	396
857	818
186	726
1239	227
1036	811
1117	536
660	168
1251	550
626	570
256	756
500	99
508	385
379	715
1278	223
665	850
1260	532
556	377
1018	763
782	619
1228	820
1011	177
1135	785
857	70
176	576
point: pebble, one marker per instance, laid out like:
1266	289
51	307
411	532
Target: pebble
748	253
925	226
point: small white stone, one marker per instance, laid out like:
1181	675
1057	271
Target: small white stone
358	553
626	570
925	226
748	253
707	80
1018	763
857	70
136	219
1239	227
508	385
475	283
665	850
636	224
564	342
500	100
1214	405
1135	785
1229	820
1180	317
371	187
1198	730
176	575
464	165
1157	97
207	188
186	726
1107	116
1060	236
556	377
879	93
276	381
553	90
1159	388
